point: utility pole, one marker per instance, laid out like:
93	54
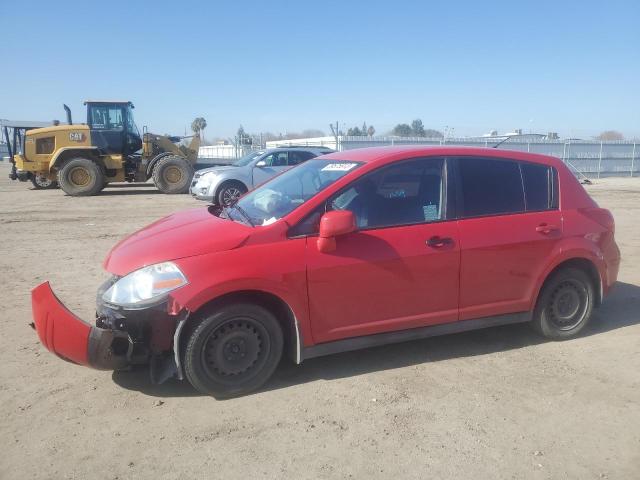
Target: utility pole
336	133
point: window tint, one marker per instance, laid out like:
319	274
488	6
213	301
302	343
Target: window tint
406	193
490	187
536	179
298	157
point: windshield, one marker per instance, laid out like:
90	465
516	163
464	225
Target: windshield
241	162
130	123
280	196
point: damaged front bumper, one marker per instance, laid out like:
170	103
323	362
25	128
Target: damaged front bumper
118	339
73	339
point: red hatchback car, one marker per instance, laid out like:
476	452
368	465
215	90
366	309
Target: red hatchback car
346	251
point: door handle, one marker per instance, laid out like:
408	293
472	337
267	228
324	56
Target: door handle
546	228
439	242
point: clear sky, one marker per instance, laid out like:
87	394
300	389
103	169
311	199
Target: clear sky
566	66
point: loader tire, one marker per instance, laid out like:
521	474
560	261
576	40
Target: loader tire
81	177
41	182
172	174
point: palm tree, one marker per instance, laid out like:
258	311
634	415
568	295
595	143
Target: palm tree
198	125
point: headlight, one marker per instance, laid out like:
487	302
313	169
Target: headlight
146	286
206	179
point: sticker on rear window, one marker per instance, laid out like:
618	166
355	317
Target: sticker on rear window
338	167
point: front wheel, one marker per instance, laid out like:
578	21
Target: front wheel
230	192
233	350
173	174
565	304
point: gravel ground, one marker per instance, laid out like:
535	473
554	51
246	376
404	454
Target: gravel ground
498	403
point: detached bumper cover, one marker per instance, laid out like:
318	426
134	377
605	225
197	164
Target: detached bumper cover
73	339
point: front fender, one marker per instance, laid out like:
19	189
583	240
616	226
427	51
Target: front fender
272	269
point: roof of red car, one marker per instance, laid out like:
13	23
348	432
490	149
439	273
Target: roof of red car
396	152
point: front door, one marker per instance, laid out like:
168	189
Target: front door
401	269
107	125
274	164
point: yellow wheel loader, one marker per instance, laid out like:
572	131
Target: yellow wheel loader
83	158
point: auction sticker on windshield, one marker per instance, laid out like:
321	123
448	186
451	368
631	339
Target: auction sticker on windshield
338	167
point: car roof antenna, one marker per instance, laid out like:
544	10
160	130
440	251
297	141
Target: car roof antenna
507	137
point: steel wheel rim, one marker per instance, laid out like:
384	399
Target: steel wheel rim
80	176
172	174
230	195
235	350
42	181
568	305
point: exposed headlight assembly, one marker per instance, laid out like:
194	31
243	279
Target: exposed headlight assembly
146	286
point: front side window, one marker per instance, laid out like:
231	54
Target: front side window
407	193
277	159
282	194
490	187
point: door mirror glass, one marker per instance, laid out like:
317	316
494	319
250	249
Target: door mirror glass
261	163
332	225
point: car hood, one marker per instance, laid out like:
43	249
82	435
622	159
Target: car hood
183	234
225	168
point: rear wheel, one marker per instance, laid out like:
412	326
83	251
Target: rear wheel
81	177
173	174
233	350
230	192
42	182
565	304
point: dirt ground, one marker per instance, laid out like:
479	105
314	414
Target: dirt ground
498	403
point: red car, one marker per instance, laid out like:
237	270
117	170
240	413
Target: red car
346	251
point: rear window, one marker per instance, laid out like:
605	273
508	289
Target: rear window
490	187
537	180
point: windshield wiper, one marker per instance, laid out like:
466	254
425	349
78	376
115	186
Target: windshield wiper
243	213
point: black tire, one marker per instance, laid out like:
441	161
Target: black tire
172	174
565	304
233	350
229	192
80	177
41	182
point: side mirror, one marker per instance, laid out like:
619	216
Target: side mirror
332	225
261	163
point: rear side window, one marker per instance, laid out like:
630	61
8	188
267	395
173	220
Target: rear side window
538	186
297	157
490	187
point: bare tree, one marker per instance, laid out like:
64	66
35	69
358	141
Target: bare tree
609	135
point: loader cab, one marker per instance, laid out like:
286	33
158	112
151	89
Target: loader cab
112	127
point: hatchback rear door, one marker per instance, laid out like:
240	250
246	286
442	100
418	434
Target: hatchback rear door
509	224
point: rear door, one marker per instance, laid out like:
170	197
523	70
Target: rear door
509	224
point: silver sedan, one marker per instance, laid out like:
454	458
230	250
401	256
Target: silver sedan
224	185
